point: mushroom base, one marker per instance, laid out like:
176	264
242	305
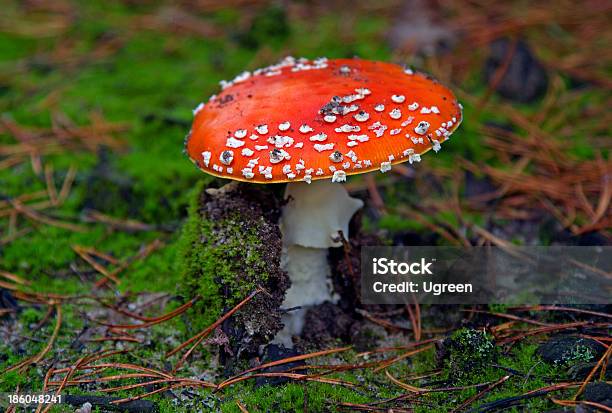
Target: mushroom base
309	271
315	218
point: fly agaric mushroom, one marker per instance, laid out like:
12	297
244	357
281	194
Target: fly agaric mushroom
303	121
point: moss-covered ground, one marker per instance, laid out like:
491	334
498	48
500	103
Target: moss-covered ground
96	99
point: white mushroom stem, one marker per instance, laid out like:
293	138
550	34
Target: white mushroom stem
310	225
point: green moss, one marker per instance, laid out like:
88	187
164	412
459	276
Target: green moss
530	373
398	223
12	379
293	397
30	316
220	262
499	308
578	354
162	267
468	353
311	396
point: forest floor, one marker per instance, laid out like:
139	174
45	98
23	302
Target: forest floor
95	101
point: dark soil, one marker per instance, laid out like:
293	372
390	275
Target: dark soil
524	79
565	349
599	393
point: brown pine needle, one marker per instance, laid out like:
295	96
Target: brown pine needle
417	391
11	161
8	286
559	308
415	317
129	366
479	395
106	257
15	278
86	254
44	389
294	376
198	338
184	381
566	403
143	253
21	366
403	385
33	196
151	393
78	381
115	338
157	320
35	216
126	313
606	193
67	185
241	407
301	357
397	348
543	330
62	384
129	225
394	360
508	316
51	189
588	378
376	320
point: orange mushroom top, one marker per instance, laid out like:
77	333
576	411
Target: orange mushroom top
314	119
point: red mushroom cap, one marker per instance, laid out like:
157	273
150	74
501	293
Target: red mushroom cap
307	120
